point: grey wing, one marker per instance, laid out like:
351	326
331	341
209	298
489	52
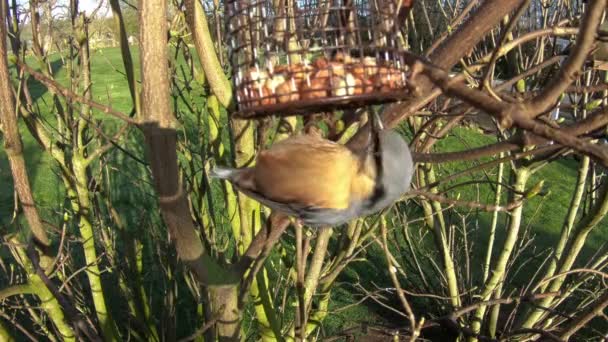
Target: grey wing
285	208
311	216
323	217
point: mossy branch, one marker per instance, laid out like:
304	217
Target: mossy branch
14	146
161	138
197	21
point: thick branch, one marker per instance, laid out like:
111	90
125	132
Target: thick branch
13	144
161	139
15	290
594	121
263	242
506	114
79	324
461	42
197	21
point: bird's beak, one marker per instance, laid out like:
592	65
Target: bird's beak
377	125
374	133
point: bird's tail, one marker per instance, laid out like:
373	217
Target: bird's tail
223	172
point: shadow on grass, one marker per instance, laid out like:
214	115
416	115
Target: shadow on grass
37	89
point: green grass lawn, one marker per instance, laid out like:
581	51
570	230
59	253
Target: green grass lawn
109	87
544	214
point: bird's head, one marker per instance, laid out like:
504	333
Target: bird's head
393	163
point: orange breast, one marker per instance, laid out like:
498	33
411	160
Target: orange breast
309	171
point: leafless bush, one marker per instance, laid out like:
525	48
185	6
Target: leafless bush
459	257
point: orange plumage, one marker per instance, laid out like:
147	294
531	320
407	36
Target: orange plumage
323	183
308	170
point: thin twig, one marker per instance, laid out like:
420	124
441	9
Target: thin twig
73	96
473	205
78	323
571	68
577	270
300	269
392	274
200	331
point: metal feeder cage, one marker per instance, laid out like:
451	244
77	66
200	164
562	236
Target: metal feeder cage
306	56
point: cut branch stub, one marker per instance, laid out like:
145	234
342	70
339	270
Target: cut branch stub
297	57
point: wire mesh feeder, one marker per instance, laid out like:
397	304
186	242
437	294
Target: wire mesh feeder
306	56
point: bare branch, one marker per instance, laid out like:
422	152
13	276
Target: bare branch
13	144
73	96
197	22
161	137
392	273
79	325
572	67
14	290
599	305
259	250
506	114
473	205
483	19
576	270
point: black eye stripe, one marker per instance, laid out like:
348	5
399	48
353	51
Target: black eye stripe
378	156
379	190
378	193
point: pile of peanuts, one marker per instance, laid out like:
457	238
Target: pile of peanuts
323	78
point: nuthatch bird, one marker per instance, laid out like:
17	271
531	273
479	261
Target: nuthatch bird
323	183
